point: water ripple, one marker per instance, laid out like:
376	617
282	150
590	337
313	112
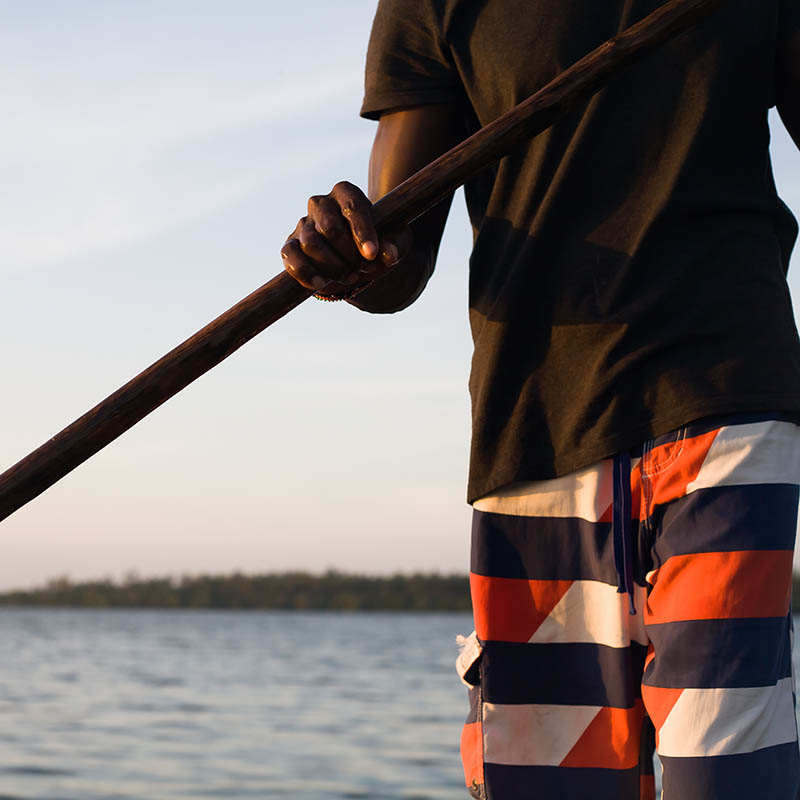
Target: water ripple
125	705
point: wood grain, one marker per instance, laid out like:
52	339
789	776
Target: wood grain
221	337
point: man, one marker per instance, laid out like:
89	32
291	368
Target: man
635	387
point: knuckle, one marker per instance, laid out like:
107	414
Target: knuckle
311	240
288	248
291	268
351	207
345	187
301	273
315	202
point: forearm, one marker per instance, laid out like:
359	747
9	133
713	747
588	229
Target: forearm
397	290
335	248
405	142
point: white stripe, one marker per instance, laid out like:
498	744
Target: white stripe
594	612
586	494
533	735
714	722
760	452
469	651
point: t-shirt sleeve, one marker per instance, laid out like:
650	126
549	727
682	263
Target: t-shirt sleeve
408	63
788	60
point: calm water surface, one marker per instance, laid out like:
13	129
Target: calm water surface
193	704
115	705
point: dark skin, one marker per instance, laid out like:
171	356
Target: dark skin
335	247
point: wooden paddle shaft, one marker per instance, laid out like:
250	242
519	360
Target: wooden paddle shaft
217	340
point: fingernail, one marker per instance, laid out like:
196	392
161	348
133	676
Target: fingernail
318	283
369	250
391	254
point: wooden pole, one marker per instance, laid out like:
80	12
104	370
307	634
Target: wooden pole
216	341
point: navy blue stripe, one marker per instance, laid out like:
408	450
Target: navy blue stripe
505	782
562	674
773	773
719	653
542	548
647	748
474	695
727	518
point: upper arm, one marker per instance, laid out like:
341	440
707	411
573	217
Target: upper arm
407	140
414	91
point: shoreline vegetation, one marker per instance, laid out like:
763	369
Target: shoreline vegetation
329	591
298	591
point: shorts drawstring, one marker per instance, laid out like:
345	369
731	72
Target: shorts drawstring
622	527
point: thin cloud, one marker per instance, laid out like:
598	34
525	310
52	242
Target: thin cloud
89	173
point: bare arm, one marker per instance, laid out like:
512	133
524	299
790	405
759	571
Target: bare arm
405	142
337	240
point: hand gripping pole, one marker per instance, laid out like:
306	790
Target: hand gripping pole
216	341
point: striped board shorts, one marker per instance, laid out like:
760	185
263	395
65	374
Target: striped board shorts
642	602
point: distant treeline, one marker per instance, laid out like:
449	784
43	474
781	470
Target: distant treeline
290	590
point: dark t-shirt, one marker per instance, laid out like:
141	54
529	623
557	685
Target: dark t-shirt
628	270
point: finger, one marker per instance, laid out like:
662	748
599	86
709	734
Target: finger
328	262
301	267
325	214
395	246
357	210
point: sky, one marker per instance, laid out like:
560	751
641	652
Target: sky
154	156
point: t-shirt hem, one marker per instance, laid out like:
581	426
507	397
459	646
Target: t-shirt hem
376	104
657	426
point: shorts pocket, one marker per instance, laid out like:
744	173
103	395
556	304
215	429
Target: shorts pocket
468	661
468	668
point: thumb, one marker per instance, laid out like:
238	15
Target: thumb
395	246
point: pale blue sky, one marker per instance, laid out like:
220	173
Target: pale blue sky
154	157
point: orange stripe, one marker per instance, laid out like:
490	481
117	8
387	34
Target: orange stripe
512	609
659	702
610	741
636	491
472	752
670	468
742	584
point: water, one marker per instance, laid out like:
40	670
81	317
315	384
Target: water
192	704
161	705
